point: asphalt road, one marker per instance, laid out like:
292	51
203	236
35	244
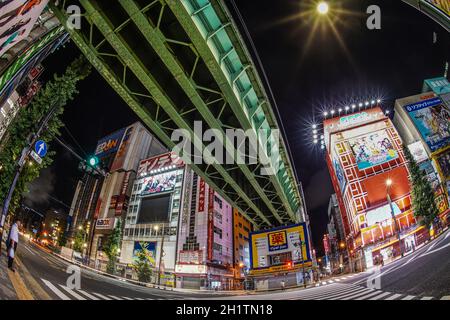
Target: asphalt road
422	275
50	274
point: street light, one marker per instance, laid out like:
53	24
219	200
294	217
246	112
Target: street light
323	8
397	228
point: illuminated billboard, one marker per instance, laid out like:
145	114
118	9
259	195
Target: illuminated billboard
373	149
150	248
109	144
442	5
17	19
432	119
444	164
339	174
163	182
279	249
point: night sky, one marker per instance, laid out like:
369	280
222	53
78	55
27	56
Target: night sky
389	63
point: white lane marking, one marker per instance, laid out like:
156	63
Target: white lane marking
408	297
378	297
114	297
427	298
339	296
102	296
327	292
90	296
435	250
73	293
445	298
375	293
394	297
55	290
29	250
351	297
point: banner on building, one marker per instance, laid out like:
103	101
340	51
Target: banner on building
444	164
190	257
163	182
121	154
163	161
201	196
432	119
339	174
109	144
210	223
279	249
418	151
373	149
149	248
17	19
105	224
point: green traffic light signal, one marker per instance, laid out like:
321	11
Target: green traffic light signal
93	161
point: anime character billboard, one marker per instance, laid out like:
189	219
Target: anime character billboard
432	120
373	149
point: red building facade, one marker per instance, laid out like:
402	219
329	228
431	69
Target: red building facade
363	153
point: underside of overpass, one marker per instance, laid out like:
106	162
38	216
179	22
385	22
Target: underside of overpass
175	62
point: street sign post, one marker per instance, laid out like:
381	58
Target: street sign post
36	157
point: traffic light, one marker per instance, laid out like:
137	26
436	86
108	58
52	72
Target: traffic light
93	161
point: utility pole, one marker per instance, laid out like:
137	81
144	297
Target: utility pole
25	153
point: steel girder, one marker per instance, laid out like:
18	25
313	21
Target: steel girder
112	43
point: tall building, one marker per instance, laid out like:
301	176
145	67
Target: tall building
153	213
205	239
100	201
338	253
423	122
367	166
241	243
184	225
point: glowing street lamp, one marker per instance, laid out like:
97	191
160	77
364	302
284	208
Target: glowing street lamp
323	8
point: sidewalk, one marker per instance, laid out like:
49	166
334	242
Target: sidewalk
7	291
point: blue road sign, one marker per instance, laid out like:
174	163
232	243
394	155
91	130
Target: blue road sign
41	148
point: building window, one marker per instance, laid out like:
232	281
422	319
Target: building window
218	201
217	247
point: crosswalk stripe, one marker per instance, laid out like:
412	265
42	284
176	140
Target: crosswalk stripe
427	298
330	281
101	296
329	293
126	298
90	296
73	293
393	297
338	295
114	297
408	298
149	299
376	293
55	290
382	295
351	293
445	298
140	299
350	297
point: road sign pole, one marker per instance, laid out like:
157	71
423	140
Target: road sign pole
25	152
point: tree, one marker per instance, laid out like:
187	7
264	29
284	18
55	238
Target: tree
79	240
56	93
142	266
422	194
62	239
111	247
